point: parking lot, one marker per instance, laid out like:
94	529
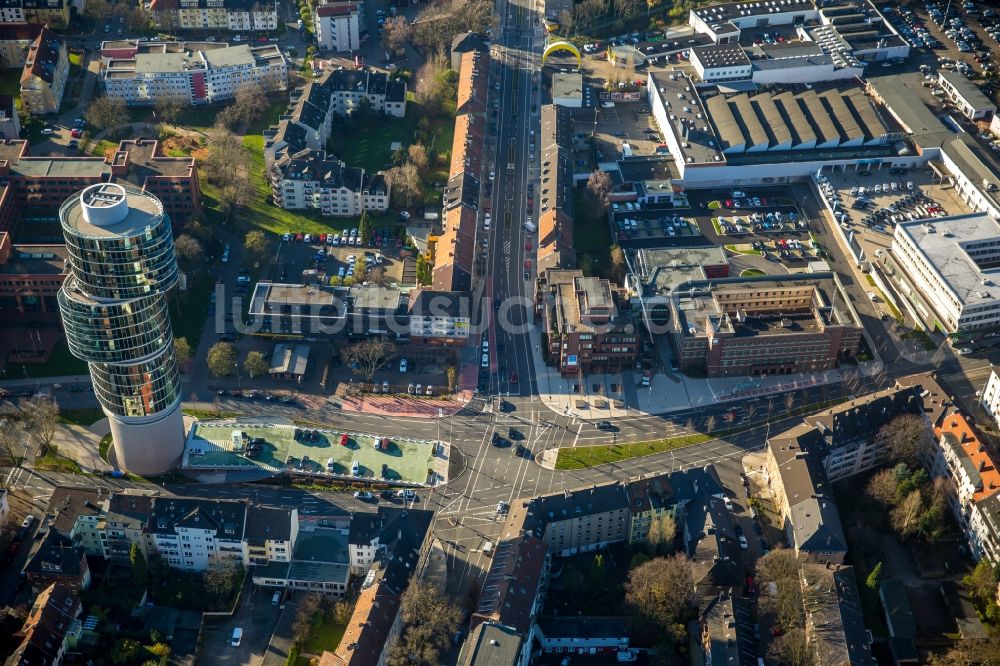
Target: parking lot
318	451
335	261
255	615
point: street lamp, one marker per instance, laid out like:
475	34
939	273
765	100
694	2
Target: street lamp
239	383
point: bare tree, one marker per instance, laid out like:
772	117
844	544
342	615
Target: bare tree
434	90
751	409
662	533
10	439
190	253
405	184
779	573
599	185
430	618
881	487
42	415
222	576
790	649
908	438
661	590
789	401
438	23
368	357
417	156
567	23
308	608
395	32
169	106
710	422
105	112
227	168
905	517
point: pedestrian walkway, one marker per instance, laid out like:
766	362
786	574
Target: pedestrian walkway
82	444
400	405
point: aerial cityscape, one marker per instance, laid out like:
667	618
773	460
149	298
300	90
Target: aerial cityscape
475	333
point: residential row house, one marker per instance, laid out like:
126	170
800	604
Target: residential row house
43	79
140	73
51	629
555	216
586	322
55	13
215	15
454	250
961	457
308	180
188	533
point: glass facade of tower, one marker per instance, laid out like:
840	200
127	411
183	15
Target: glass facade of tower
114	304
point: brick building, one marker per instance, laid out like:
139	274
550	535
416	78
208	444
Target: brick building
587	329
764	326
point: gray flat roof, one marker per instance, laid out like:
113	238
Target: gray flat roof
721	55
143	211
567	85
967	90
943	241
901	93
665	268
701	145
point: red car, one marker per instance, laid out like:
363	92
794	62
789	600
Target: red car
322	238
751	588
299	237
513	378
488	209
343	440
729	203
76	133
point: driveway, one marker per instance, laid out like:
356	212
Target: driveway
255	615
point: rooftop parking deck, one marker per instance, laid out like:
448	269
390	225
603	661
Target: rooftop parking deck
210	446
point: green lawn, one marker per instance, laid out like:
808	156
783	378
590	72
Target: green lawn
103	447
752	272
369	147
591	236
56	463
10	82
736	250
60	363
589	456
189	309
324	636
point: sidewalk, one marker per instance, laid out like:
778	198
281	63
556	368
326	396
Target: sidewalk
667	392
82	444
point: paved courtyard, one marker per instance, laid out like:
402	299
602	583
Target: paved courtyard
210	446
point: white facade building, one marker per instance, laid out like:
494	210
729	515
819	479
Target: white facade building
197	73
336	26
721	62
952	262
967	96
310	180
990	398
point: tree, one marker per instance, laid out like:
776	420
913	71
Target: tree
783	602
710	422
596	574
222	576
364	227
435	88
452	374
567	22
417	156
906	516
368	357
190	253
248	101
790	649
661	591
908	438
182	350
599	186
255	364
96	9
221	359
881	487
395	32
618	261
342	611
140	573
981	584
661	536
306	615
105	112
42	415
10	438
125	651
874	579
226	168
789	401
405	184
430	619
169	106
255	245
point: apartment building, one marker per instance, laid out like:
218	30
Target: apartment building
10	123
513	591
764	326
317	563
588	327
835	625
555	212
990	396
139	72
308	180
43	78
51	628
801	493
962	458
55	13
335	25
231	15
15	40
440	318
58	560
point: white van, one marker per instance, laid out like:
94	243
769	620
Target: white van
276	599
329	465
355	468
237	637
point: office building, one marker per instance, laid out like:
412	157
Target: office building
971	101
115	314
215	15
768	325
587	325
141	72
954	264
43	79
335	25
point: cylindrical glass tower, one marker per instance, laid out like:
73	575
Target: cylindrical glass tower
114	311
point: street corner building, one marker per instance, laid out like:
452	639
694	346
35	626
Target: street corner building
114	311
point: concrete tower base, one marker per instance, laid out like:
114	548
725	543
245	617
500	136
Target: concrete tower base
148	446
